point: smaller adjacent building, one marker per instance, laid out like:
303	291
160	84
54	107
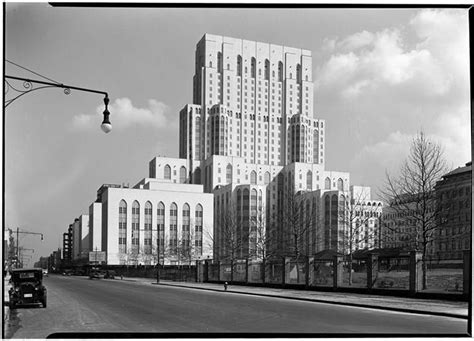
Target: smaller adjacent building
156	218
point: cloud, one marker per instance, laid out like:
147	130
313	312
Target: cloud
124	114
433	66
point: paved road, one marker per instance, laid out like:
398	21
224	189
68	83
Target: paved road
77	304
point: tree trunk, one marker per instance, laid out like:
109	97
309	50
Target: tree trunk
231	270
264	270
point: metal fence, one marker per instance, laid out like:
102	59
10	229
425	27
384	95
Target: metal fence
373	272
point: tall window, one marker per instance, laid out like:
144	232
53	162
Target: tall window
267	69
186	232
266	178
327	183
160	226
148	227
340	184
167	172
239	65
219	62
173	228
182	175
280	71
309	181
253	178
228	174
198	230
135	226
197	138
197	176
123	226
253	67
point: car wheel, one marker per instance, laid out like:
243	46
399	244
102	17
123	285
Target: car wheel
44	303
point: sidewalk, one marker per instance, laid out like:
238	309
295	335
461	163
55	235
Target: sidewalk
402	304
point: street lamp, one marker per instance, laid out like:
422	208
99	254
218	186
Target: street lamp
29	86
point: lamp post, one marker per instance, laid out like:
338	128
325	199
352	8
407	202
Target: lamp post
28	85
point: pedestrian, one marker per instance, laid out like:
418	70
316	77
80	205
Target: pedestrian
121	275
225	286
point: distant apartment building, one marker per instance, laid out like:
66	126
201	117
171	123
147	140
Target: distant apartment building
454	193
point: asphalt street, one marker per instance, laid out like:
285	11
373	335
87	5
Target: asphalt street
78	304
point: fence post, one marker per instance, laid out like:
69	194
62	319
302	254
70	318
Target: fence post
416	272
283	272
337	267
246	270
310	271
372	260
466	273
206	271
306	283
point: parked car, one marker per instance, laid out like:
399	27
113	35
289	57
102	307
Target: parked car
27	287
110	274
96	274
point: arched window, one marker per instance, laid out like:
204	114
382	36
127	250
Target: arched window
273	74
186	243
267	69
253	178
173	228
198	230
309	181
135	226
197	176
298	73
228	174
327	183
182	175
167	172
239	65
340	184
253	66
160	225
266	178
123	226
280	71
148	227
219	62
253	202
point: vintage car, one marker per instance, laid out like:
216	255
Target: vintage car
110	274
96	274
27	287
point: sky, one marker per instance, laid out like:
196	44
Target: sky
381	76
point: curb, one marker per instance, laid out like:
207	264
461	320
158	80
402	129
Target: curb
360	305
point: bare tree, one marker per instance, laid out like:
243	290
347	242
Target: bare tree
229	238
412	194
297	225
358	216
261	238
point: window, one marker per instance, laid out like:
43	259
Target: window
173	228
309	181
327	183
198	230
135	226
253	178
228	173
148	227
266	178
340	184
182	175
123	226
160	225
167	172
